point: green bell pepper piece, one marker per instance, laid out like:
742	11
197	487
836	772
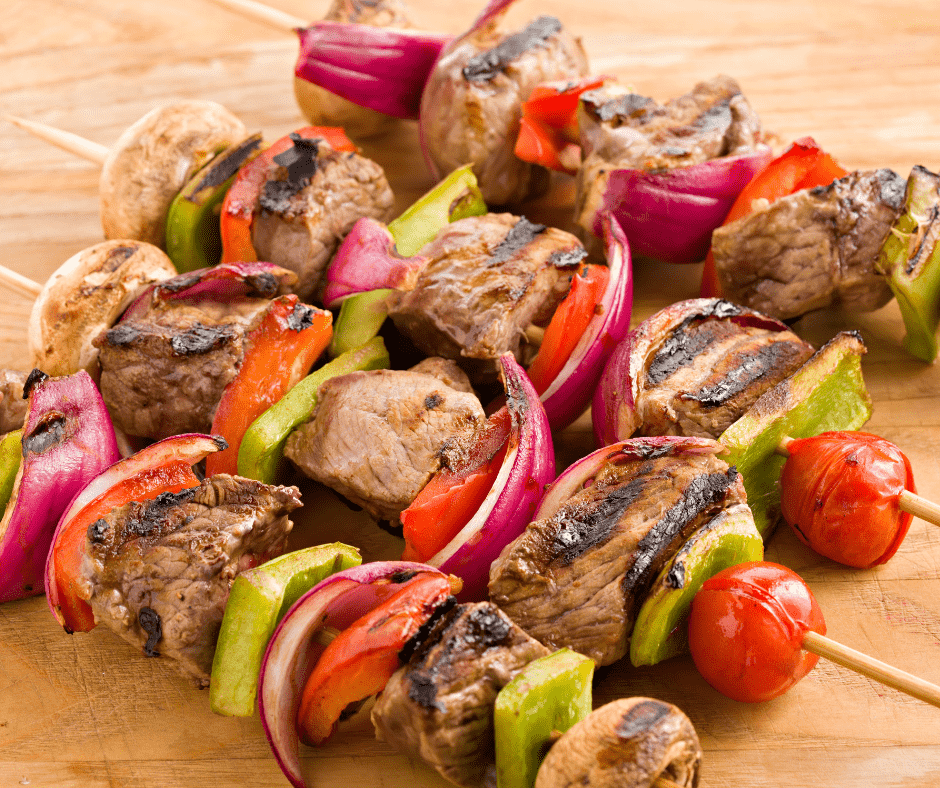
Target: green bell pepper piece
455	197
11	456
551	693
660	631
257	602
192	225
910	258
826	393
262	447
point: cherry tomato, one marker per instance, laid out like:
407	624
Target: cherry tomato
746	630
840	494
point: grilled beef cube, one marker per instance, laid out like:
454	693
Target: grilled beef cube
472	103
578	576
622	130
375	437
12	403
158	573
439	707
488	281
163	374
811	249
311	205
707	370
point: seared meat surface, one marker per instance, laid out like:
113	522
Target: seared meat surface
310	206
623	130
708	370
439	707
375	437
811	249
489	279
158	573
472	103
577	576
12	404
163	374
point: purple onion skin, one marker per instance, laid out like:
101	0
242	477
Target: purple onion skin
337	601
378	68
509	506
613	410
570	393
68	439
670	216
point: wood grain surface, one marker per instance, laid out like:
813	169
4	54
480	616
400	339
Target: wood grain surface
862	77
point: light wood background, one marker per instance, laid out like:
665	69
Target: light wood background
862	77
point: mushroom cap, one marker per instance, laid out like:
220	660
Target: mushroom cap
627	743
85	296
153	159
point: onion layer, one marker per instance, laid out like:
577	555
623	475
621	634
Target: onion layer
670	216
335	602
528	466
68	439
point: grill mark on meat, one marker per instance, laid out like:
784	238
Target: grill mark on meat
703	492
300	318
566	258
751	367
155	511
34	377
432	401
225	169
576	535
486	65
301	162
520	236
414	642
630	105
641	718
49	432
199	339
149	620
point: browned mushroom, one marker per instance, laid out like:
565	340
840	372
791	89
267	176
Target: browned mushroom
628	743
154	158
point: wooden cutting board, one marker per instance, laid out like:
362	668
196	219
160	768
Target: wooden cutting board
863	78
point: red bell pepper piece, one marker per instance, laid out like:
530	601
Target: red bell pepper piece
241	200
568	324
279	352
363	657
801	166
447	502
69	548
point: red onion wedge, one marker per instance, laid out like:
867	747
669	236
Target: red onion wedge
335	602
152	470
380	68
221	283
670	215
570	392
528	466
613	410
68	439
367	259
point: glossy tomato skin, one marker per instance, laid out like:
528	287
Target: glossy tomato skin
840	495
746	630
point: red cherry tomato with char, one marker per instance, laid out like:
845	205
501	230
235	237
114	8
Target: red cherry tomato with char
746	630
840	494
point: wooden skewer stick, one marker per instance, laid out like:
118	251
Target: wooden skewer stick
265	14
908	502
72	143
20	283
873	668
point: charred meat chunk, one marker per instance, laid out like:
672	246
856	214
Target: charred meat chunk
472	103
163	373
376	437
12	401
623	130
488	281
577	576
439	707
316	196
158	573
811	249
704	372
